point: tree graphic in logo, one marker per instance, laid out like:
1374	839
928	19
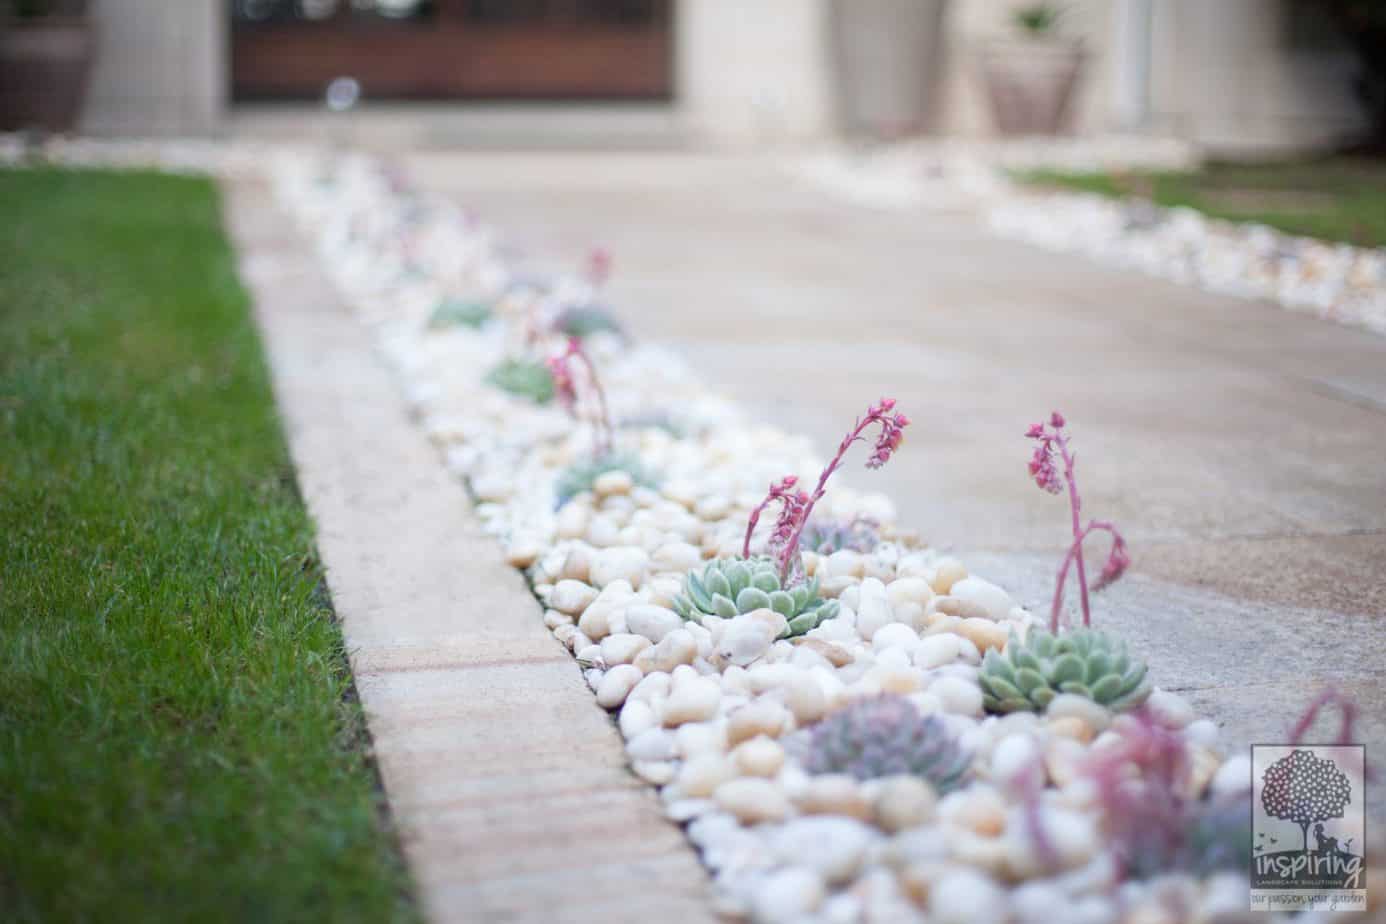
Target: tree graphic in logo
1305	789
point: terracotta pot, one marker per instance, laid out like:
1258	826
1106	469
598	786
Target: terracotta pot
1030	83
44	66
886	54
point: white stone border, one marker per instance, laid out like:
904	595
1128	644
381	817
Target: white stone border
1334	282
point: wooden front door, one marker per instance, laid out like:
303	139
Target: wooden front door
452	49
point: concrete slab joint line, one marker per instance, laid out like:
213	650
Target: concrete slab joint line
448	645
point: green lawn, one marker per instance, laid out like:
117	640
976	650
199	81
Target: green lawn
1337	199
178	739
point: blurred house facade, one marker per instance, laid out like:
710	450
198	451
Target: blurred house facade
1233	76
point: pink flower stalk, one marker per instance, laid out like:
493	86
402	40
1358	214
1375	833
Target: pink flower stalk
1145	811
791	503
599	266
1051	447
1347	708
1028	784
562	366
1331	696
794	514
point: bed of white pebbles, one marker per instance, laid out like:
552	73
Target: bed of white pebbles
706	709
1336	282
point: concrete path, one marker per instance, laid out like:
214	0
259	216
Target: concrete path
506	781
1241	447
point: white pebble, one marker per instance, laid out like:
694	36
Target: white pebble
760	756
966	897
749	636
937	650
653	622
702	738
656	772
1013	757
804	697
1096	715
616	685
608	483
897	636
636	717
1234	776
654	687
786	896
909	590
904	802
651	744
622	649
1169	709
620	563
762	717
992	599
831	846
571	597
572	520
676	556
700	776
957	695
676	648
691	701
1202	731
753	800
873	611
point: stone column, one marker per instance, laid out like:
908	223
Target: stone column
161	68
751	73
1131	68
1246	78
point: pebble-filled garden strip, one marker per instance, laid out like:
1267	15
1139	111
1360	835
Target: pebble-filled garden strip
1336	282
851	725
835	755
1332	281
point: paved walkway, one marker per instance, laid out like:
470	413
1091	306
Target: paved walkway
506	813
1241	447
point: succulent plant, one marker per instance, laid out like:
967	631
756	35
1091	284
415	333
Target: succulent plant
884	736
457	312
1143	784
1218	835
828	536
653	420
579	476
1029	674
728	587
586	320
524	378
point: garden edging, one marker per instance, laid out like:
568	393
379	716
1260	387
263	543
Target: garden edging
494	800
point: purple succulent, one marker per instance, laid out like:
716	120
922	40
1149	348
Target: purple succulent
885	736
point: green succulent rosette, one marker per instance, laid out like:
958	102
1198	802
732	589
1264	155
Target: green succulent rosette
580	476
457	312
728	587
524	379
1085	662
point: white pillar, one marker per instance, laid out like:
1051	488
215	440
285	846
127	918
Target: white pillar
753	73
1131	69
161	68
